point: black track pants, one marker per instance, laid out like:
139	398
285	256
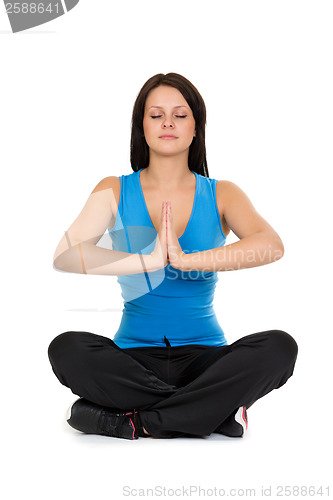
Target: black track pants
188	389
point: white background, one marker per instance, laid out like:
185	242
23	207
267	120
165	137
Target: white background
264	69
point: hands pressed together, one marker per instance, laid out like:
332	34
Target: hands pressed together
167	248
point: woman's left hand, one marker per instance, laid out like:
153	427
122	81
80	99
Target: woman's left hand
176	255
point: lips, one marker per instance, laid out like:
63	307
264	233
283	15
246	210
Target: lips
168	137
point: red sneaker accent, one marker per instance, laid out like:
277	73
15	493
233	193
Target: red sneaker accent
244	415
132	413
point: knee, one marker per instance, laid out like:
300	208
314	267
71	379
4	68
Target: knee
283	346
61	345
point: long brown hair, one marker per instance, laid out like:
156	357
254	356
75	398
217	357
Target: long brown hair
197	152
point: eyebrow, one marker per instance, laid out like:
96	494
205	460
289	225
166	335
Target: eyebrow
161	107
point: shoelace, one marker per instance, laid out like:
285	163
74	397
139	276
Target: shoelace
113	422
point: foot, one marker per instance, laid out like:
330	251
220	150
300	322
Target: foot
91	418
235	425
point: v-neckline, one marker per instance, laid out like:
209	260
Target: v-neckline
146	208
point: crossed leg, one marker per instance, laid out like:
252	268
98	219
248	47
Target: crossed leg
219	380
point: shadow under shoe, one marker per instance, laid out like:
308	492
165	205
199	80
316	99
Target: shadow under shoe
235	425
91	418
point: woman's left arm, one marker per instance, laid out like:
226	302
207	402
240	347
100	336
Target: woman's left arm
259	243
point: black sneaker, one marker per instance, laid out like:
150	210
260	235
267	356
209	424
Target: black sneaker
91	418
235	425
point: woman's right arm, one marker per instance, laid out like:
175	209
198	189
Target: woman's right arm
77	251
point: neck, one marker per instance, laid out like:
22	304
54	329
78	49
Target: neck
167	172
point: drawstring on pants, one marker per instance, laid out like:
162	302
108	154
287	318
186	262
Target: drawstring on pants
167	342
169	346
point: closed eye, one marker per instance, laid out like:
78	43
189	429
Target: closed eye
177	116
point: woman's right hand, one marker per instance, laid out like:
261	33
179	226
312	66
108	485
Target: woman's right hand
159	255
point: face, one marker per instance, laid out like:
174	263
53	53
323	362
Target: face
168	121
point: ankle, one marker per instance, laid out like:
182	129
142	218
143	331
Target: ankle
140	430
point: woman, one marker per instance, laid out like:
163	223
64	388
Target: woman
169	370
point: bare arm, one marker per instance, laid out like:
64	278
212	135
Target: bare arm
259	243
77	251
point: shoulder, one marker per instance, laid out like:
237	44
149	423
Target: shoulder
230	198
228	192
226	187
110	182
239	212
110	188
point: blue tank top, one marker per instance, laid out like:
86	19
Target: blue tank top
168	302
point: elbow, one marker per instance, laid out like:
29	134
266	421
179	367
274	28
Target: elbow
67	262
59	263
56	266
56	261
278	249
282	249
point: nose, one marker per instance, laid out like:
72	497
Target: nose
168	123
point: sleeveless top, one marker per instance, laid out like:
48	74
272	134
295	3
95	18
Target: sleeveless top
168	302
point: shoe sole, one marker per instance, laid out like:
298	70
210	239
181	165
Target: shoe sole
69	412
241	418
